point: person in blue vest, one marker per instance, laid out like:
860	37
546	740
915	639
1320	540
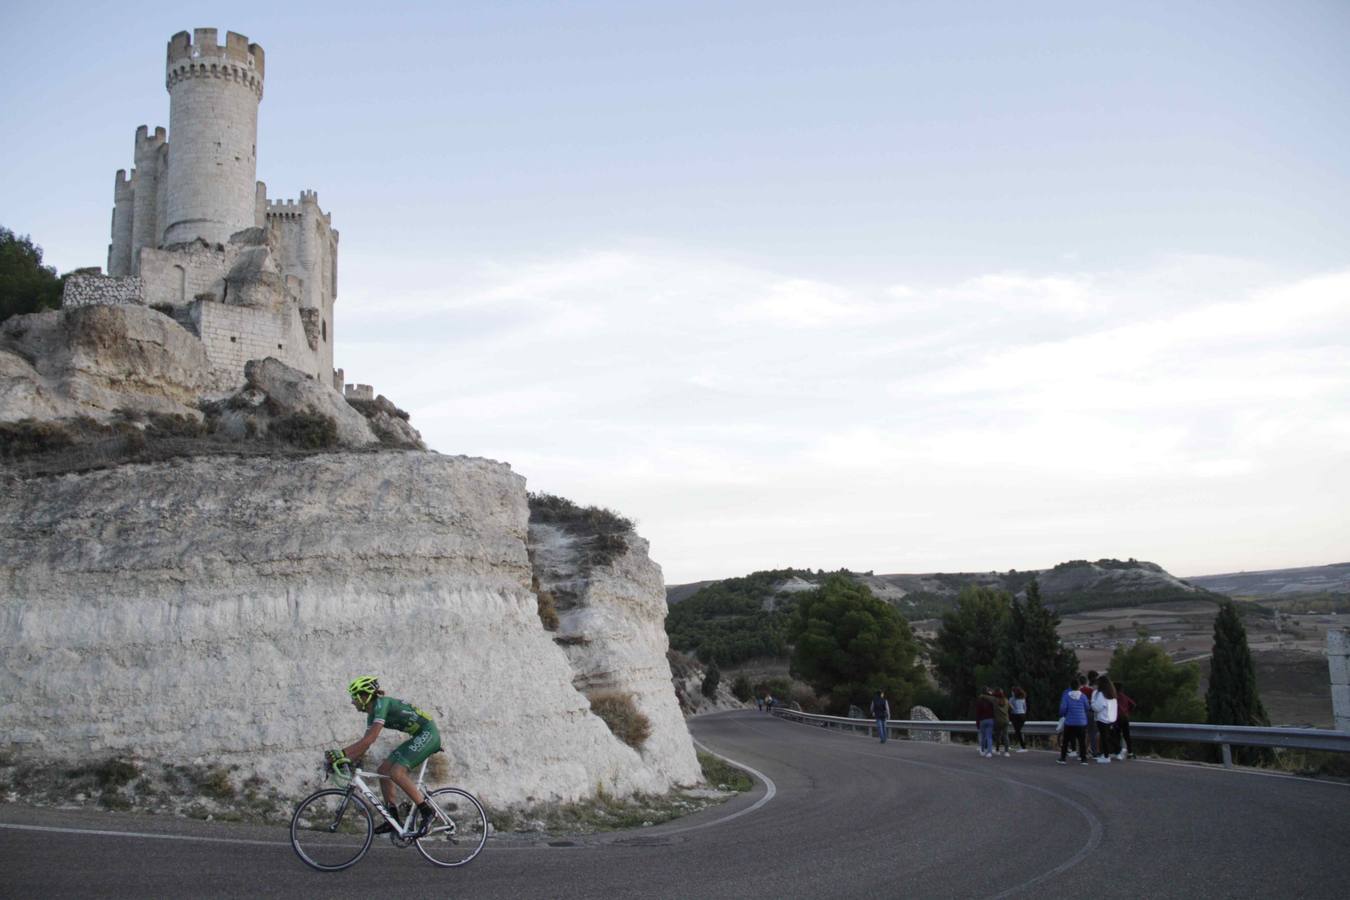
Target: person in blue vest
1073	709
881	711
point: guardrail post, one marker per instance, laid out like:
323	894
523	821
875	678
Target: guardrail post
1227	757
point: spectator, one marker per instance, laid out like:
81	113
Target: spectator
1085	684
1104	709
1001	723
984	721
1124	706
1018	715
881	711
1073	709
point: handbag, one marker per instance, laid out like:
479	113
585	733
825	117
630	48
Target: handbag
1059	727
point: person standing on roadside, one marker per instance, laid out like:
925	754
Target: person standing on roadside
1104	709
1086	685
984	721
1001	722
1018	714
1073	709
881	711
1124	706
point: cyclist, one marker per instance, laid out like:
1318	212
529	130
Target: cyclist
423	740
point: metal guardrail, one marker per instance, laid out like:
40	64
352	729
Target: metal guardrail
1225	736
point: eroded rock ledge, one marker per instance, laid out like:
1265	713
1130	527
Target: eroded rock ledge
213	608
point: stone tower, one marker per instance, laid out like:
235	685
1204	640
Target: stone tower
214	93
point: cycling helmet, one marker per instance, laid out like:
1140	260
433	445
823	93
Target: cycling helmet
364	684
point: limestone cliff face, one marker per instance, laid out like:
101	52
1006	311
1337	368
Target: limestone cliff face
613	629
214	608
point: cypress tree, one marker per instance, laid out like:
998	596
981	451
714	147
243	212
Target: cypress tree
1232	698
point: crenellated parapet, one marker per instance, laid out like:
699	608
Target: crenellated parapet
200	56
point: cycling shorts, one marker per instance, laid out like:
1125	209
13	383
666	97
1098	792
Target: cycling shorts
416	749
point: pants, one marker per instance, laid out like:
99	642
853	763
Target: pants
1091	734
1106	739
1073	737
881	728
1018	720
1000	735
1123	724
986	735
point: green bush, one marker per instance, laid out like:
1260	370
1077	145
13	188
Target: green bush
26	285
741	689
621	714
710	682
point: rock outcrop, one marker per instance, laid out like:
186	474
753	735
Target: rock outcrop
94	360
612	627
213	608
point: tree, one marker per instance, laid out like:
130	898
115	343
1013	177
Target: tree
965	652
1033	656
26	285
849	644
711	680
741	689
1232	698
1165	691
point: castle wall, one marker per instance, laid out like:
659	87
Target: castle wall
124	199
213	115
233	335
177	276
145	228
102	290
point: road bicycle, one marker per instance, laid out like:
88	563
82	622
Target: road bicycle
333	827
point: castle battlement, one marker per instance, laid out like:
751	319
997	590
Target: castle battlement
203	44
145	140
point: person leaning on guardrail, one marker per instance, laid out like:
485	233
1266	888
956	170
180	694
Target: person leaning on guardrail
1018	715
1124	706
1104	711
1073	709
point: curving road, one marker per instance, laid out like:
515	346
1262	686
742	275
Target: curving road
842	816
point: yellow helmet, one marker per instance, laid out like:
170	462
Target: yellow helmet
364	684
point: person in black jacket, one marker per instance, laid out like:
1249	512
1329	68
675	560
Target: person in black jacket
881	711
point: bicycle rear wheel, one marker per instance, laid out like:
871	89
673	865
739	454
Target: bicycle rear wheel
331	830
458	831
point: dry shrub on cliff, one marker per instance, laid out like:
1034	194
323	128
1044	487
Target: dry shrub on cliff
309	429
548	611
28	437
601	532
621	714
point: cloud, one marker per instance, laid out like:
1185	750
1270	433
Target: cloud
745	414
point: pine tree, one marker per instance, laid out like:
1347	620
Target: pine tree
1232	698
965	652
1033	656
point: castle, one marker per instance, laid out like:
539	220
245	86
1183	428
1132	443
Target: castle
195	236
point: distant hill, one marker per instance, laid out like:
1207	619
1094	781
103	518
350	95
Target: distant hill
1279	583
736	619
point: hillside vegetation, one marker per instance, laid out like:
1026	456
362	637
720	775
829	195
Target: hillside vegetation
731	621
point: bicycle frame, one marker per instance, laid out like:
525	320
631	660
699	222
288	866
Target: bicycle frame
358	784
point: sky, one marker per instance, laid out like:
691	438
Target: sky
900	287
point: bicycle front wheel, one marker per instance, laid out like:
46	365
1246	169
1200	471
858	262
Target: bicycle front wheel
331	830
458	831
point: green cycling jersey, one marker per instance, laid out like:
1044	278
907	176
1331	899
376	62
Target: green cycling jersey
398	715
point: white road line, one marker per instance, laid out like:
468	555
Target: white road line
770	790
143	834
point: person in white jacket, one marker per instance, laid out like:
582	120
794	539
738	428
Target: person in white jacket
1104	711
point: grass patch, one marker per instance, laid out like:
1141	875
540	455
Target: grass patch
722	775
620	713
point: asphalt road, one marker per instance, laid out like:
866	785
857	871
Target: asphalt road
843	817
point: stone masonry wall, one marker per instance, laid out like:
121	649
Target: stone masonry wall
233	335
102	290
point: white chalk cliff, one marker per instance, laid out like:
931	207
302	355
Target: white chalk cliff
214	608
